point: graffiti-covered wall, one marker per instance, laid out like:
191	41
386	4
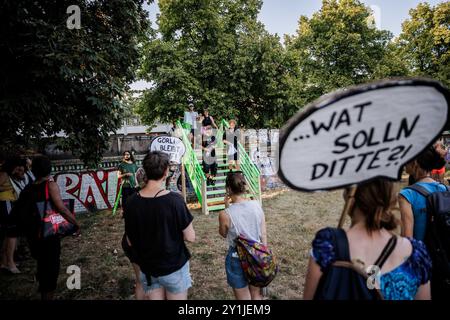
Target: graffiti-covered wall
91	191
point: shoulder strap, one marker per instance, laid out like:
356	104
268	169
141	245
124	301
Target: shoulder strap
341	244
418	188
447	188
387	250
232	222
159	192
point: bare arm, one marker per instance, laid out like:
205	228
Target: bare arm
312	279
406	216
59	204
121	175
224	223
213	122
189	233
424	292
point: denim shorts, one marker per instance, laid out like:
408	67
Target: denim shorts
235	275
176	282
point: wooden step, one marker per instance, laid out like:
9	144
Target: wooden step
218	185
213	192
216	207
225	170
218	200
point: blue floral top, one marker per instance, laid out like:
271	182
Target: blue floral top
400	283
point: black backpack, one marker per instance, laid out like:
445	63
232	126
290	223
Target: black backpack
437	239
345	280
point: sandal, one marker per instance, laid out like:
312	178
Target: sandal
14	270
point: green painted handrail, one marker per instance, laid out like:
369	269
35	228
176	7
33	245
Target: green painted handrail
191	163
247	166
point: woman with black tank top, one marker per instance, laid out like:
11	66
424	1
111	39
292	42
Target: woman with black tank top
208	120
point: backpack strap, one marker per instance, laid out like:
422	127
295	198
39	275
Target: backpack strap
387	250
341	244
418	188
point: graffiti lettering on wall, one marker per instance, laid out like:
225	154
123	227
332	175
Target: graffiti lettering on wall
91	191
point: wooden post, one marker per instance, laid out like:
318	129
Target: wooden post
183	181
204	198
348	205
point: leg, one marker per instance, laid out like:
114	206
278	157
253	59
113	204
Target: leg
242	294
48	265
10	248
139	289
255	292
156	294
177	296
230	165
4	262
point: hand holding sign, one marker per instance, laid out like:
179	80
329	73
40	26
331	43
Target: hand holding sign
362	133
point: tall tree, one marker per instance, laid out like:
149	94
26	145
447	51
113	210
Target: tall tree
56	79
216	53
337	47
425	41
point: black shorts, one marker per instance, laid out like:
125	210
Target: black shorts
192	131
210	168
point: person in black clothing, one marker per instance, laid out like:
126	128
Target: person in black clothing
209	156
12	182
208	120
157	222
46	251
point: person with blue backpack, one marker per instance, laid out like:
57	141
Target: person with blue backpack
425	213
413	203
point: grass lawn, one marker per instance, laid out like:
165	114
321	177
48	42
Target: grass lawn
292	220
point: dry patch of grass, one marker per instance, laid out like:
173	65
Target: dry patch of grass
292	220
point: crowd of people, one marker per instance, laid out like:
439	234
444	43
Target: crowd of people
204	128
158	224
23	185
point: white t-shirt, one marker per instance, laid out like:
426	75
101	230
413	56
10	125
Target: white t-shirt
246	218
191	118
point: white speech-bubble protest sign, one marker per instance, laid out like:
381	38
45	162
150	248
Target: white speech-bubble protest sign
365	132
173	146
